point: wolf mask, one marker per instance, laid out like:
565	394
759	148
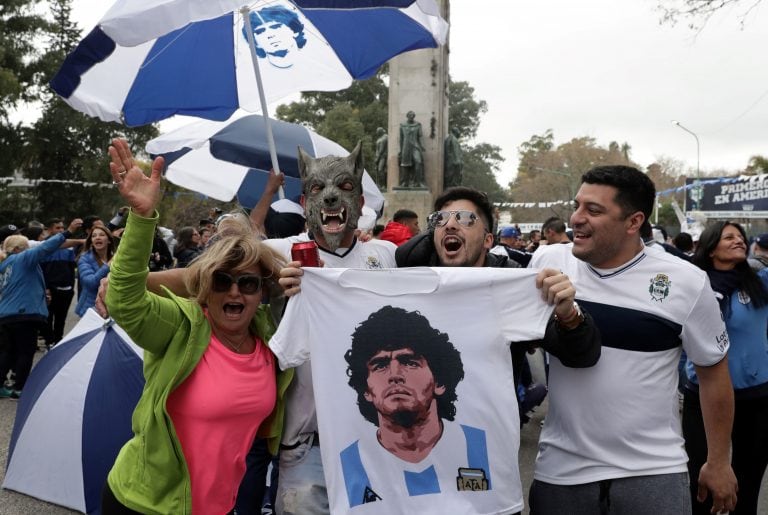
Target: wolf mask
333	196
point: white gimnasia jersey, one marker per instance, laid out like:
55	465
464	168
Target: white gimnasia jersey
473	467
300	419
620	418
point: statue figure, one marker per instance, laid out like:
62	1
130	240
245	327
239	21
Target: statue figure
411	154
452	161
381	157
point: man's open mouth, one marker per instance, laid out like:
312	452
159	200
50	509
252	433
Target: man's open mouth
333	220
452	243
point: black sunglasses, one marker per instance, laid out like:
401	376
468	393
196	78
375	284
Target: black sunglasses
248	284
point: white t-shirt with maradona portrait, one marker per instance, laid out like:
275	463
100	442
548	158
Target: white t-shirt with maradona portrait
473	468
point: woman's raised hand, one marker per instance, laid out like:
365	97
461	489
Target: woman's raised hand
141	192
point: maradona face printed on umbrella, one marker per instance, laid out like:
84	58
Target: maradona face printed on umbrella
332	196
278	33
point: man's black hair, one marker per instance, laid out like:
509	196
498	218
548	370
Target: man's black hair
404	214
478	198
390	329
553	223
683	241
635	191
89	220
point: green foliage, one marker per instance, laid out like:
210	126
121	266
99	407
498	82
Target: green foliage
20	31
464	110
549	173
345	116
481	162
757	165
62	144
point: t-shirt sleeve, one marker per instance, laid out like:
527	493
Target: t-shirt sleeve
523	313
705	339
290	343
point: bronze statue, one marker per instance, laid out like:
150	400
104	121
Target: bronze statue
452	160
381	157
411	156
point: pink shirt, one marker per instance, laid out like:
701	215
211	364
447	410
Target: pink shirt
216	412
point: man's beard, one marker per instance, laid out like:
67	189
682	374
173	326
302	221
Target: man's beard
404	418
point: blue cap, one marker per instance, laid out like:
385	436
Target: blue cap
509	232
762	240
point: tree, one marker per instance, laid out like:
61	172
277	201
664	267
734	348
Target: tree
698	12
552	174
464	110
65	145
345	116
20	28
757	165
481	163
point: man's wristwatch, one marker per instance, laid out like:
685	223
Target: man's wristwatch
573	320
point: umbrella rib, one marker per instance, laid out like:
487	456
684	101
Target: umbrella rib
160	52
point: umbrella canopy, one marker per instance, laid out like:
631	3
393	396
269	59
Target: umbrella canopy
75	415
222	160
149	59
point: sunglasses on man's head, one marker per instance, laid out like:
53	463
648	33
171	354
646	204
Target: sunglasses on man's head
248	284
463	217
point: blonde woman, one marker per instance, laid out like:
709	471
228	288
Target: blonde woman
212	383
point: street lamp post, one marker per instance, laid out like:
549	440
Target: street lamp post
698	146
696	192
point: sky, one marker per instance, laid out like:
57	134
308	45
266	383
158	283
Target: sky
609	70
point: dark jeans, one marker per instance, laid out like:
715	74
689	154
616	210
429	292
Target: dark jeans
749	458
250	495
57	315
18	350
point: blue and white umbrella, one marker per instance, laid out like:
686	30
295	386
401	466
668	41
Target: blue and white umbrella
75	415
150	59
224	159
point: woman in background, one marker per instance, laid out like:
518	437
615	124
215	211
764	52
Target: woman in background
187	246
93	266
743	298
23	309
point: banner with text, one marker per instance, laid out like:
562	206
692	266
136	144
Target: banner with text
728	197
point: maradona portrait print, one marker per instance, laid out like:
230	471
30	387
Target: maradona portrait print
413	384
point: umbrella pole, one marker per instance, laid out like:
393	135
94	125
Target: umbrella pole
245	11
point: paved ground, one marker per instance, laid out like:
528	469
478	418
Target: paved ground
12	503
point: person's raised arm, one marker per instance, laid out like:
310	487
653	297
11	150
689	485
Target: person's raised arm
260	210
716	476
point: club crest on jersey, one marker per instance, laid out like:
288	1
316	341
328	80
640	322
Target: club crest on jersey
373	263
743	297
659	288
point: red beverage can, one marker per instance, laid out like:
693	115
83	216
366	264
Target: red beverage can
306	253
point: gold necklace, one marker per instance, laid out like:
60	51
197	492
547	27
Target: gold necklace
234	347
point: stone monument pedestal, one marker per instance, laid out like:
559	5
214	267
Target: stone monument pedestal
418	200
